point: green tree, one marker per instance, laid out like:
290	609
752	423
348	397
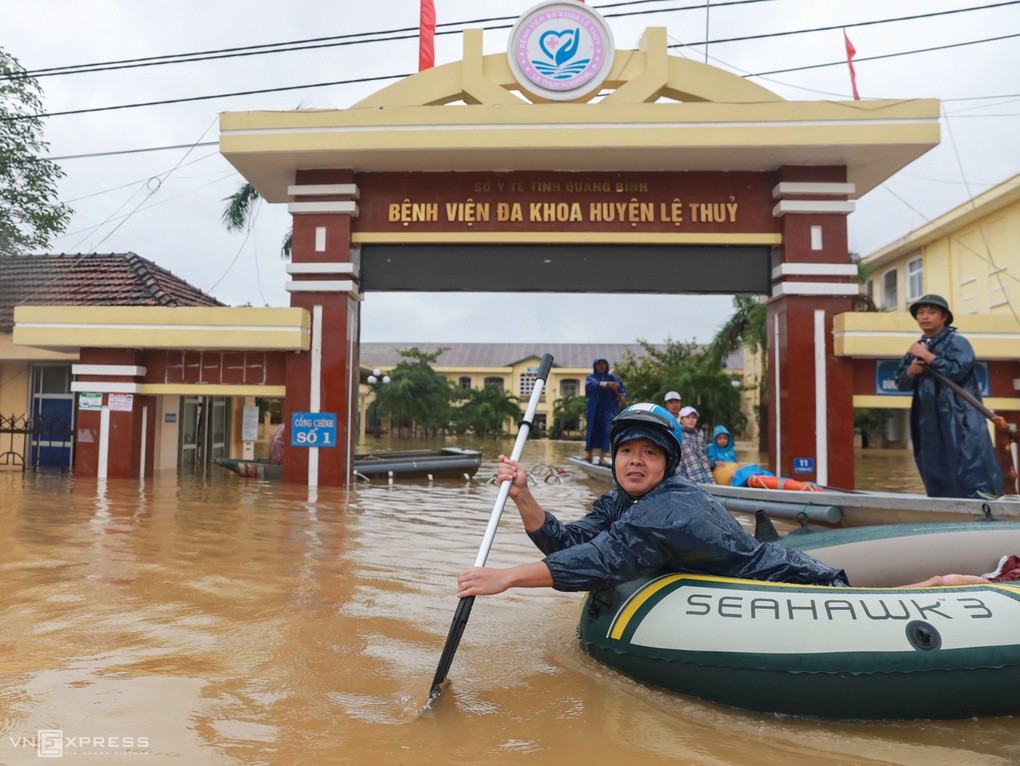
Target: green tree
747	329
485	411
567	414
870	423
417	397
29	211
711	391
863	301
240	211
686	368
242	208
648	377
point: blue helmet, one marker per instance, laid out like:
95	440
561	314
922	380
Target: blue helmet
648	421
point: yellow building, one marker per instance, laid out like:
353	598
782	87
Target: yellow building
971	257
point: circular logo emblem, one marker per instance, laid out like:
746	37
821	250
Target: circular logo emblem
561	51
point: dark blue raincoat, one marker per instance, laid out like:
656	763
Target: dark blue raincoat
602	406
675	527
954	454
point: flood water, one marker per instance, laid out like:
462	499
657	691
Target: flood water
220	620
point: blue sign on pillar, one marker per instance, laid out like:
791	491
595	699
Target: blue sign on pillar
803	465
313	429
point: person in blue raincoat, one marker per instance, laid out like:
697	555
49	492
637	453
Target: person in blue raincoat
651	521
720	450
953	451
604	394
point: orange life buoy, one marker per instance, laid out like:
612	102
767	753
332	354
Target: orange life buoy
760	481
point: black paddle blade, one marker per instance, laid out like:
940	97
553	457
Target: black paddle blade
764	529
460	619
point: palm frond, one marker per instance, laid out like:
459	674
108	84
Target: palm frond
240	206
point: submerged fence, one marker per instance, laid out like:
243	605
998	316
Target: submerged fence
44	441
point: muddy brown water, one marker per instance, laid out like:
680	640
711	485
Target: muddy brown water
218	620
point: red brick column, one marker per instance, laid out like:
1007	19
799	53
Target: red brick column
325	274
112	442
810	389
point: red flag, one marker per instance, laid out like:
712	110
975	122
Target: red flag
850	53
427	36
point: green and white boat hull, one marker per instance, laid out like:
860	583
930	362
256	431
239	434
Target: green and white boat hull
827	652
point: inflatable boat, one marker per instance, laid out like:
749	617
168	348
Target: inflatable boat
840	507
863	652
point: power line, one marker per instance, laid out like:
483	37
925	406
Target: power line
116	152
851	25
209	97
379	78
404	33
356	38
234	94
859	59
222	53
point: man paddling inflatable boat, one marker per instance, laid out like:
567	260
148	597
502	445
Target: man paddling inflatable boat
651	521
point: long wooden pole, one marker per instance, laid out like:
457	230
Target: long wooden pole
1000	422
967	396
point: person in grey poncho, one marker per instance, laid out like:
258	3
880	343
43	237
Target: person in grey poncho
652	521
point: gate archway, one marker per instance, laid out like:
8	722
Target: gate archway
687	174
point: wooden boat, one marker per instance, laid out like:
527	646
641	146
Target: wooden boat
843	508
863	652
444	463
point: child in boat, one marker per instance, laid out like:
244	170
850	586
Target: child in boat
651	521
722	458
721	449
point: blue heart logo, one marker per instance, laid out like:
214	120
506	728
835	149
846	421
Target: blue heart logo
556	48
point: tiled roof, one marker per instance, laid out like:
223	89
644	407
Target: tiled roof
505	354
116	279
127	279
499	354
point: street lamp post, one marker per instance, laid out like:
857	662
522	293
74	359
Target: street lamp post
375	380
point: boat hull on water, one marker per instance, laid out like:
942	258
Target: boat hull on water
252	469
445	463
836	508
863	652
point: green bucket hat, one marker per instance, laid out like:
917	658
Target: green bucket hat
932	300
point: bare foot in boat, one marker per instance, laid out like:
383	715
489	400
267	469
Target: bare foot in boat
939	581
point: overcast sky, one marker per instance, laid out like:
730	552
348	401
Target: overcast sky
165	205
